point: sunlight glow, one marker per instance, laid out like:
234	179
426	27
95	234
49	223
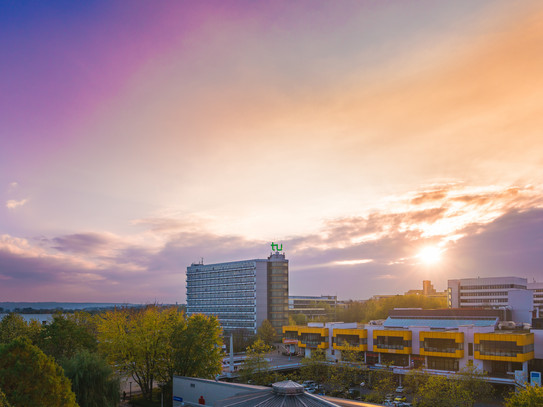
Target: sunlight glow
430	255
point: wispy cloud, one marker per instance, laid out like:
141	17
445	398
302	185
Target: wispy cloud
12	203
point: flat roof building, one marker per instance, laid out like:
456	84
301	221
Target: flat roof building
492	292
242	293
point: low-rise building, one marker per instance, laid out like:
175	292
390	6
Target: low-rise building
440	341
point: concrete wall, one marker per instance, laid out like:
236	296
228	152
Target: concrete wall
522	304
261	291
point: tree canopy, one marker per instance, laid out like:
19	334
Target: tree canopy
14	326
154	343
137	342
3	400
255	366
531	396
93	380
266	332
196	345
63	338
30	378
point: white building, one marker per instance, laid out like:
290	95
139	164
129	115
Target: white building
241	294
537	290
493	292
431	339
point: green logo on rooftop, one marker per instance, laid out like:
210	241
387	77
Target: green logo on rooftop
276	247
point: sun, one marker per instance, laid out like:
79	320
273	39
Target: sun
430	255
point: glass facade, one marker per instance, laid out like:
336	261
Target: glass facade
241	294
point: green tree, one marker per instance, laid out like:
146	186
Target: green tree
266	332
3	400
315	367
297	319
439	391
414	379
464	388
31	378
63	338
343	377
196	344
472	383
93	381
351	354
383	383
531	396
138	342
14	326
255	366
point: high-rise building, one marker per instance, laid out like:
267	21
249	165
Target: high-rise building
242	293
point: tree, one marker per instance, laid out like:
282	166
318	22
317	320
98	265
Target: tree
343	377
464	388
138	342
14	326
63	338
297	319
531	396
439	391
315	367
3	400
471	381
383	383
93	381
414	379
266	332
197	347
256	366
30	378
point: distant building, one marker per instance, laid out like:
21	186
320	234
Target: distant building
428	290
537	290
492	292
312	306
241	294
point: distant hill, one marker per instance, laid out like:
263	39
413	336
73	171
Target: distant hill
11	306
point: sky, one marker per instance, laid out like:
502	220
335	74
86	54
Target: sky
380	142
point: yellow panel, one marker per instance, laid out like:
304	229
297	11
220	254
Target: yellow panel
404	351
406	335
311	330
458	354
457	336
521	357
361	333
290	328
357	348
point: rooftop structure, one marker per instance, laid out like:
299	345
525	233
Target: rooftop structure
188	391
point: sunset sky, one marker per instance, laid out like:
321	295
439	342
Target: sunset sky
137	137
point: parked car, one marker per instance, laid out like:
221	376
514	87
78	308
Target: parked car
399	389
400	398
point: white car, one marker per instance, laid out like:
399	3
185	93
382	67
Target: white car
399	389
